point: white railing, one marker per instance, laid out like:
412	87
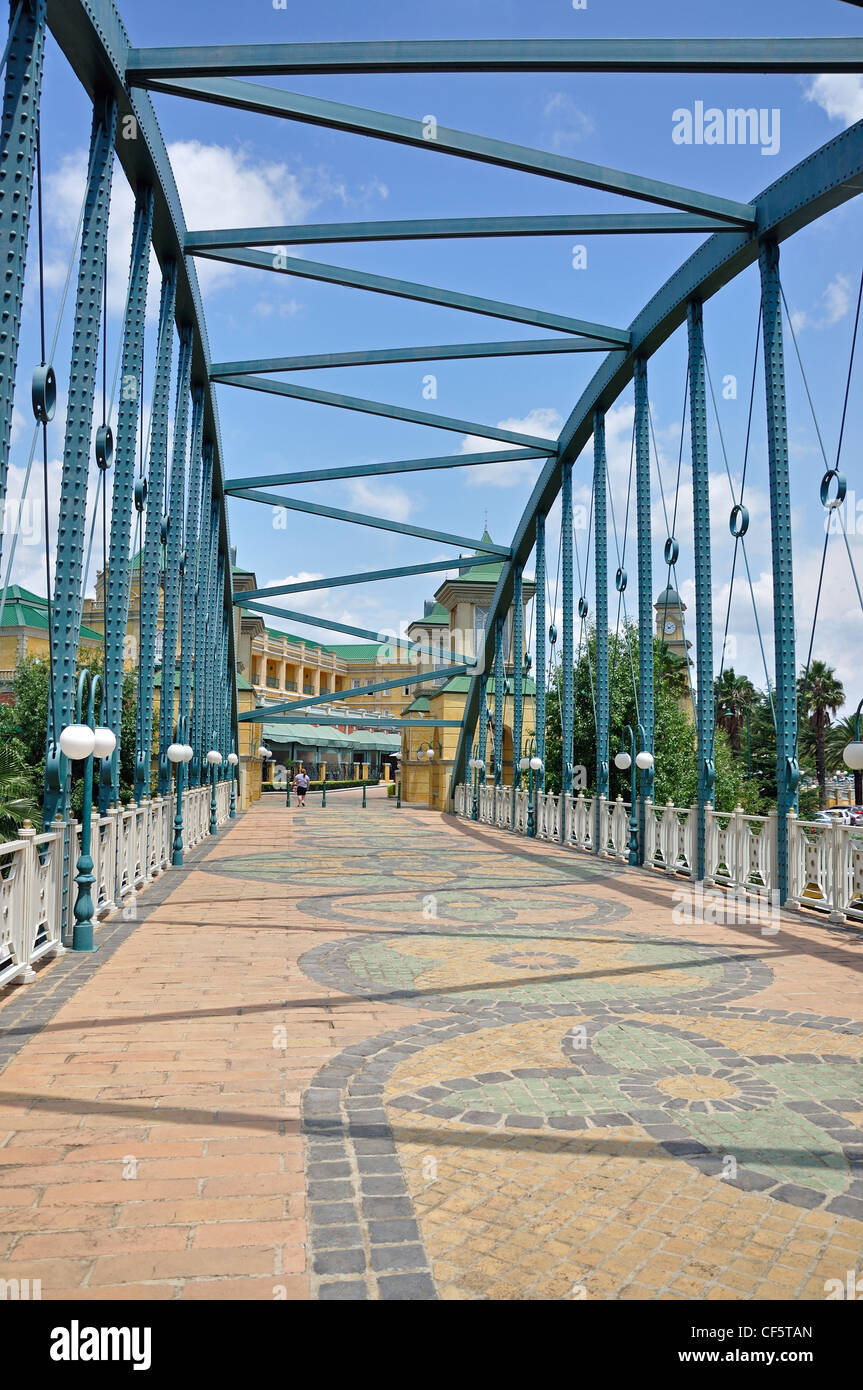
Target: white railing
825	862
130	846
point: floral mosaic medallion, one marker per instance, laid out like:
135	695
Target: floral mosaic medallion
528	966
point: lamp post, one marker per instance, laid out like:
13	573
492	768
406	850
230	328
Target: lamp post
233	762
214	758
477	766
530	762
633	760
180	752
853	758
86	740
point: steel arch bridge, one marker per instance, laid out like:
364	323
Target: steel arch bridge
185	546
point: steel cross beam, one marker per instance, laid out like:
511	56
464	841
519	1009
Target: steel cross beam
18	136
443	228
68	576
336	115
600	55
539	674
365	577
373	357
374	470
260	715
408	289
420	679
151	556
392	412
379	523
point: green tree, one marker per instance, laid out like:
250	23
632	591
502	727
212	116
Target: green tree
820	695
734	697
17	789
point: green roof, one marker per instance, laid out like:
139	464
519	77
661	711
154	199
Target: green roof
365	652
418	706
326	736
481	574
29	615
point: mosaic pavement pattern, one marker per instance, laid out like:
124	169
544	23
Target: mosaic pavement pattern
381	1054
583	1108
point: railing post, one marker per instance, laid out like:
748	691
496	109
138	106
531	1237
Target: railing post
174	556
787	770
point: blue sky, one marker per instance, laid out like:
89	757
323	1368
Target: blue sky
238	169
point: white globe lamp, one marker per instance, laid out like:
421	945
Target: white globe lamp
214	757
644	760
77	741
176	752
622	760
233	759
104	742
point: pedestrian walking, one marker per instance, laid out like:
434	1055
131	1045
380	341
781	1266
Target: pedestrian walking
301	785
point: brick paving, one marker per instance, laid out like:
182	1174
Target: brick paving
381	1054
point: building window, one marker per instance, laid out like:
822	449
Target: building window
356	682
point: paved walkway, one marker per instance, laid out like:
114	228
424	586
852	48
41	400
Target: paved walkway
384	1054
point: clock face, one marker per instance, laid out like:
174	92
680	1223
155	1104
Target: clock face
670	627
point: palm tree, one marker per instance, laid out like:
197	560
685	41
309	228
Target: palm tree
17	793
734	696
821	694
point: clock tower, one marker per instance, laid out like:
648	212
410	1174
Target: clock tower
670	609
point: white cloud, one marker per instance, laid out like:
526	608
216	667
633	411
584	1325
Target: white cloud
839	94
544	422
380	499
571	124
834	304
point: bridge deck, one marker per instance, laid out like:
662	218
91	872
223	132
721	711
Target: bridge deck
381	1053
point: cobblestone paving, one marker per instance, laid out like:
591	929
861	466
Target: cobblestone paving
383	1054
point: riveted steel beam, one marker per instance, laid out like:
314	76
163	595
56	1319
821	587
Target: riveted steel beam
540	673
68	570
152	550
785	695
189	561
391	412
517	678
646	694
567	704
174	557
460	562
600	556
374	470
336	115
704	718
601	55
373	357
128	411
200	561
444	228
19	124
499	686
409	289
379	523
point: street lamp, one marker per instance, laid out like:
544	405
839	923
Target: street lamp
86	741
180	752
214	758
853	758
530	762
477	766
643	761
233	761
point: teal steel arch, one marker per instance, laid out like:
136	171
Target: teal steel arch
197	583
821	182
